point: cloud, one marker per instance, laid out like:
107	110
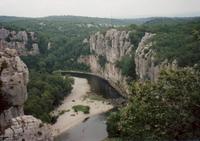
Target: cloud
100	8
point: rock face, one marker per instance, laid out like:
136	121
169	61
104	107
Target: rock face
27	128
147	67
14	79
105	51
13	83
24	42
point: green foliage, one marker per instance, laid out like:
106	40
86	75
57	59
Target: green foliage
114	139
127	66
135	37
95	97
177	40
62	112
66	40
168	109
81	108
29	42
43	40
46	91
112	125
102	61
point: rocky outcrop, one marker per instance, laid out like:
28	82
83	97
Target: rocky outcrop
106	49
14	126
147	65
27	128
14	79
109	48
24	42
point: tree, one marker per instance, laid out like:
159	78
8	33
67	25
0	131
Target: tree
168	109
46	91
127	66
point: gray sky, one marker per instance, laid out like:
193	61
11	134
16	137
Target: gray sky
100	8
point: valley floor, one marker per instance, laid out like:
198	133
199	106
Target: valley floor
78	96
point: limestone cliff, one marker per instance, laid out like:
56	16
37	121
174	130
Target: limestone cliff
147	66
105	51
14	126
24	42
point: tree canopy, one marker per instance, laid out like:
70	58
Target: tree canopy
168	109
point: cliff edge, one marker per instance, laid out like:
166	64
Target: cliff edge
106	50
24	42
147	65
14	125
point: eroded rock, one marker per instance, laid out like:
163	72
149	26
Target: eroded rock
111	46
24	42
147	65
14	77
27	128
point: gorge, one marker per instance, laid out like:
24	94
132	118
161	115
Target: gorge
93	81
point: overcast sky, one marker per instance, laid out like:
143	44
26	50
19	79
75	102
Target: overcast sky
100	8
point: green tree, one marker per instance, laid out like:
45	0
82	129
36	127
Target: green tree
46	91
168	109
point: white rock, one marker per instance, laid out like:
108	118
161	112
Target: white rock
147	68
14	79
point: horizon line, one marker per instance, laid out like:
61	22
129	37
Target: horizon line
119	18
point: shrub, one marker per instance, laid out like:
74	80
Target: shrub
102	61
127	66
168	109
81	108
135	37
46	91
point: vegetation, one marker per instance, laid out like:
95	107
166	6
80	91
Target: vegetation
177	41
102	61
62	112
95	97
66	41
81	108
135	35
46	91
127	66
168	109
113	139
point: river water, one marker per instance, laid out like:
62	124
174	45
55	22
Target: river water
93	129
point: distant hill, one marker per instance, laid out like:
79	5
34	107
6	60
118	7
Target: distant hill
11	18
95	20
100	21
79	19
175	20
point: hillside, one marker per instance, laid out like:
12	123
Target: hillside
79	19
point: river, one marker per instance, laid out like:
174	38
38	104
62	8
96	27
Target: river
71	126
